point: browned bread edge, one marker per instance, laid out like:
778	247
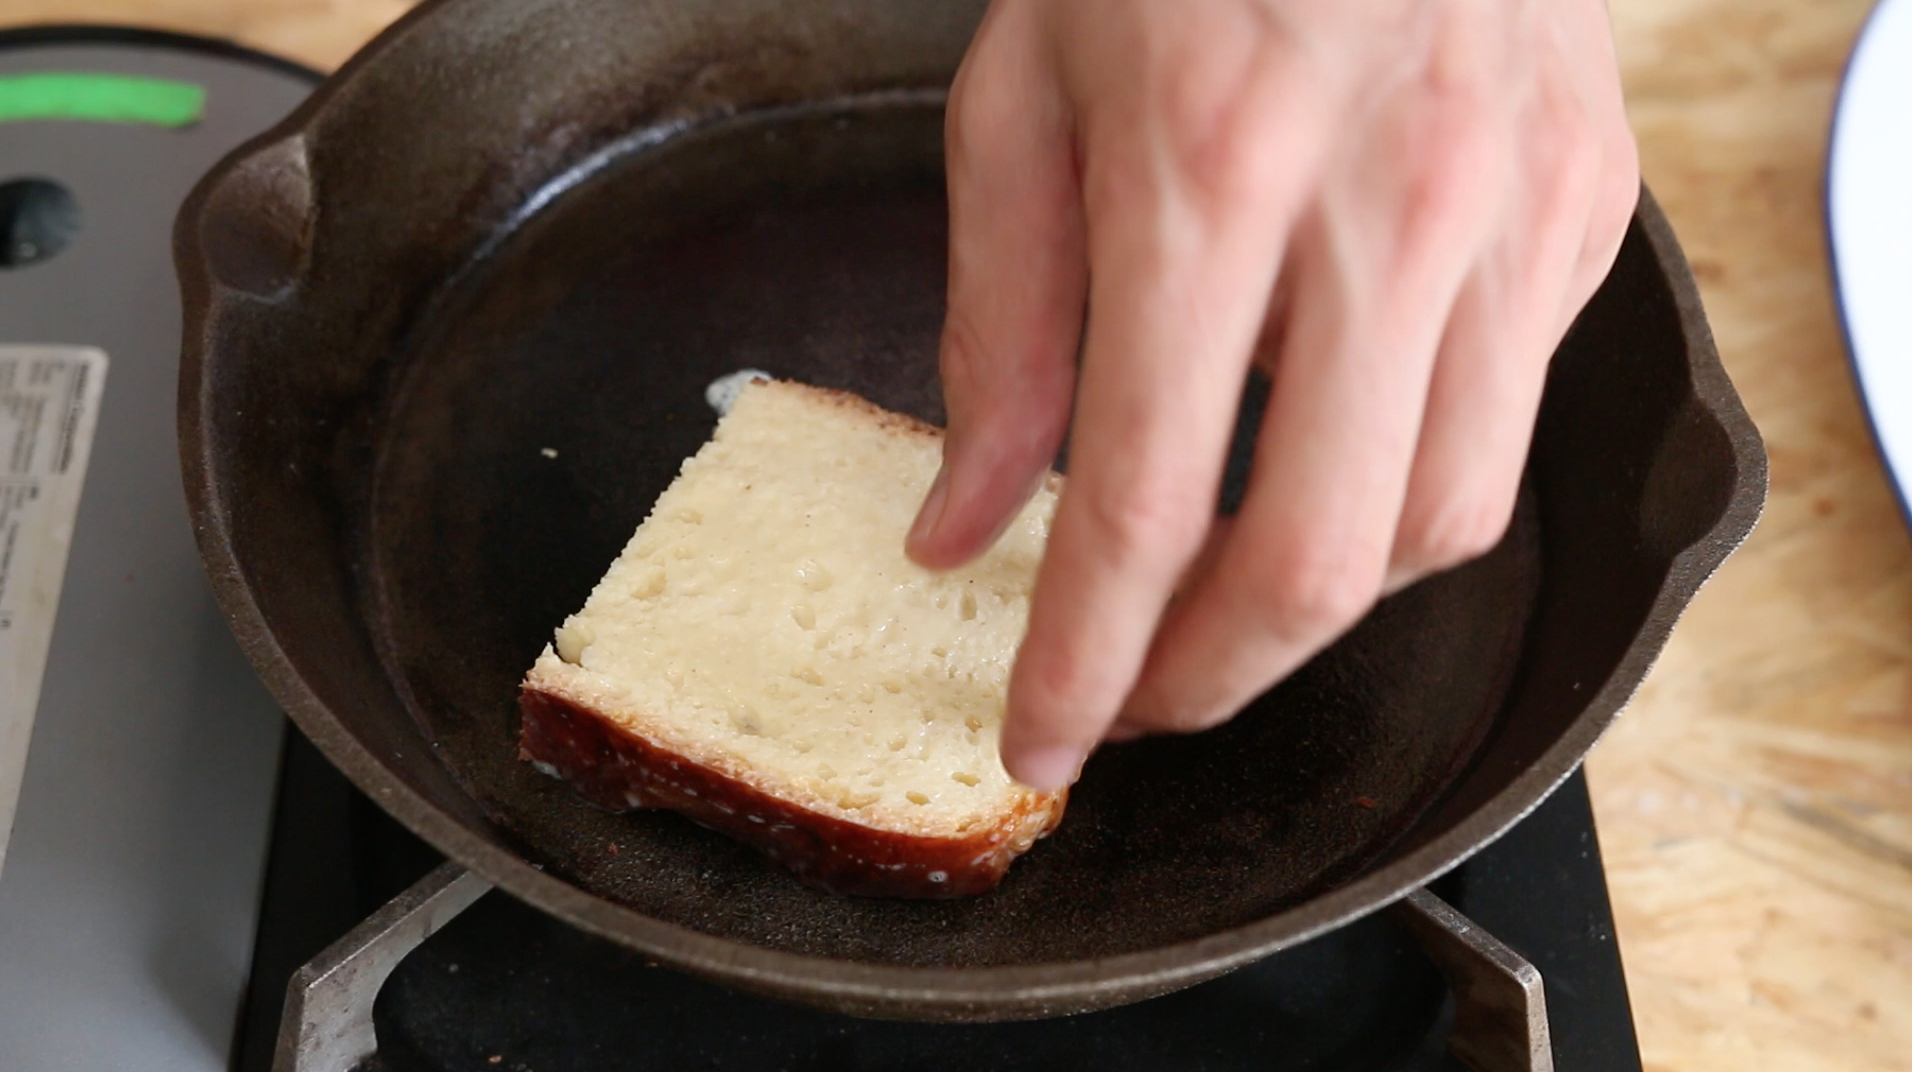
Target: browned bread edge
618	771
886	420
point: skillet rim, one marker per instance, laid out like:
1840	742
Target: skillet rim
930	993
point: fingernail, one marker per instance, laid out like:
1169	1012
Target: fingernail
932	512
1050	768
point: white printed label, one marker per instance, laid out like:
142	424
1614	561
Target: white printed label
49	401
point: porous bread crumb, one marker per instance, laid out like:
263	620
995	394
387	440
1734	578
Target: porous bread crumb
764	622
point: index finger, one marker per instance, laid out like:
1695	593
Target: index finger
1181	274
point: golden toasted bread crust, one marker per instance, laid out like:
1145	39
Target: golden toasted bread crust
618	770
886	420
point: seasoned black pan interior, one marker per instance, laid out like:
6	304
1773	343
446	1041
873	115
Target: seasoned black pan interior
513	226
550	394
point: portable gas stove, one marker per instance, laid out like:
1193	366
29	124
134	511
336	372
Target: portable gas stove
163	906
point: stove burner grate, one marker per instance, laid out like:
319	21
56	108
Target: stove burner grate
449	976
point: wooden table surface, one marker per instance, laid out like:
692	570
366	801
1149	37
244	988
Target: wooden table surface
1755	802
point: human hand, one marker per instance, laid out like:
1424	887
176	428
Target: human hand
1395	208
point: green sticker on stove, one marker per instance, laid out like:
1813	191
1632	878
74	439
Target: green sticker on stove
101	98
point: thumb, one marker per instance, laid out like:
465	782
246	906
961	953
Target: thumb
1017	282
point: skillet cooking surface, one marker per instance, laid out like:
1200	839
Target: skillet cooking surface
810	243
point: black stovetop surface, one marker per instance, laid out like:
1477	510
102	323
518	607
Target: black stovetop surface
509	988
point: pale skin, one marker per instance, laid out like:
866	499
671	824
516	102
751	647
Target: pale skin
1394	208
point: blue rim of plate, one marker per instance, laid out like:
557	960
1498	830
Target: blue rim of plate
1896	15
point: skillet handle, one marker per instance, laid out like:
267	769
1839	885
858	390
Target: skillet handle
1500	1003
327	1026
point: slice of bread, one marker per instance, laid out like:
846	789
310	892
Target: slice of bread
763	659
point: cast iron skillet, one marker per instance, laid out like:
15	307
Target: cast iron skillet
513	228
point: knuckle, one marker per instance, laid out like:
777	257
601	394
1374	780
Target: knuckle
986	98
1195	719
1148	521
1616	196
962	360
969	119
1568	181
968	371
1462	148
1223	142
1570	155
1215	154
1063	687
1562	131
1458	530
1163	707
1618	193
1323	588
1113	186
1452	185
